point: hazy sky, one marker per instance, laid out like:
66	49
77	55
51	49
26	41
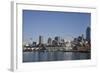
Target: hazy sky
51	24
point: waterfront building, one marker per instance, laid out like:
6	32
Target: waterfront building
54	43
68	45
40	39
57	39
49	41
75	40
62	41
88	34
34	44
79	38
83	39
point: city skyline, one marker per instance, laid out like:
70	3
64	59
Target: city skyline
52	23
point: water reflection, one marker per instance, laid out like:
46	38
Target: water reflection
53	56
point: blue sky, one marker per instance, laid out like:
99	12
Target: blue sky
52	23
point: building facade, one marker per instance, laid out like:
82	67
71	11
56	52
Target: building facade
40	39
88	34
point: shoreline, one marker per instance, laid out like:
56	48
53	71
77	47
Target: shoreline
60	51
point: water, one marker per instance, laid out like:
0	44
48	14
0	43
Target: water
53	56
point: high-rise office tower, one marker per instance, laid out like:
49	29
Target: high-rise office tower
34	43
88	34
49	41
40	39
57	39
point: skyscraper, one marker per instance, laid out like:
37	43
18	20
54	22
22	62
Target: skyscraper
49	41
88	34
54	43
40	39
34	44
57	39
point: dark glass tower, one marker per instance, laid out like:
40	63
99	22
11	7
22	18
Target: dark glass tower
88	34
40	39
